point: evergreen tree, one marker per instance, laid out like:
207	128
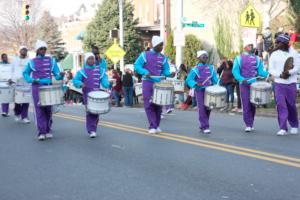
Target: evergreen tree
47	30
192	45
170	50
106	19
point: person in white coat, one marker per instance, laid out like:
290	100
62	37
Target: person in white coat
284	65
18	65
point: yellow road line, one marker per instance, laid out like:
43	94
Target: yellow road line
280	159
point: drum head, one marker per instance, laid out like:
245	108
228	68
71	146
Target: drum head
99	95
261	85
4	85
215	89
163	85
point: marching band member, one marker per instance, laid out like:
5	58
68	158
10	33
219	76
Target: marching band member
200	77
89	79
5	106
152	63
246	68
18	65
284	66
38	73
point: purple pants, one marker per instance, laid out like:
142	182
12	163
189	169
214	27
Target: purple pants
5	107
43	114
286	97
153	111
91	122
21	109
203	111
248	108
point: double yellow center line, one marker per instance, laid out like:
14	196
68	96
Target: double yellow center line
275	158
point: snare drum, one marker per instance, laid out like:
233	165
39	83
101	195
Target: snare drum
178	85
214	97
51	95
138	88
98	102
6	93
23	94
261	93
163	94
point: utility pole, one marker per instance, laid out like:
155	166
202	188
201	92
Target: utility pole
179	29
121	32
162	19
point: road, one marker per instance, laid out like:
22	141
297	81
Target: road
125	162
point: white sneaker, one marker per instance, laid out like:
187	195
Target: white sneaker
17	118
4	114
49	136
161	117
206	131
152	131
93	134
41	137
26	121
169	110
158	130
249	129
282	132
294	131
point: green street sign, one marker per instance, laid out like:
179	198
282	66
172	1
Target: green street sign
194	24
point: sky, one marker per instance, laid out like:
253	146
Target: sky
64	7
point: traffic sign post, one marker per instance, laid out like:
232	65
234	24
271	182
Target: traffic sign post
250	17
115	53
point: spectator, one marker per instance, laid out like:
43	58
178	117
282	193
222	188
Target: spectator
66	86
127	82
260	45
227	80
117	89
293	38
181	75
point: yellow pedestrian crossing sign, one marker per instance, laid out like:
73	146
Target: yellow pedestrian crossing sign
250	17
115	53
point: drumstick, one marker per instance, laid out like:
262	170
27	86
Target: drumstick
157	76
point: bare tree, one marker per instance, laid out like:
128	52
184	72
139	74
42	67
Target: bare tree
14	30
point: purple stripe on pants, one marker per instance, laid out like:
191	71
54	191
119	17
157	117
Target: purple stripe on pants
153	111
22	109
286	97
5	107
203	111
248	108
43	114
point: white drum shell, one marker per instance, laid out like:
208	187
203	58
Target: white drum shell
178	85
51	95
163	95
261	93
214	97
6	93
23	95
138	88
98	102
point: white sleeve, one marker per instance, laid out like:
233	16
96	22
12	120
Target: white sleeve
296	58
272	67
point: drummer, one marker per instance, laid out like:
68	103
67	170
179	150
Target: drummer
152	63
38	72
246	68
200	77
89	79
285	84
5	106
18	65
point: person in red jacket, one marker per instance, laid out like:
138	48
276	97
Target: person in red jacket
117	88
